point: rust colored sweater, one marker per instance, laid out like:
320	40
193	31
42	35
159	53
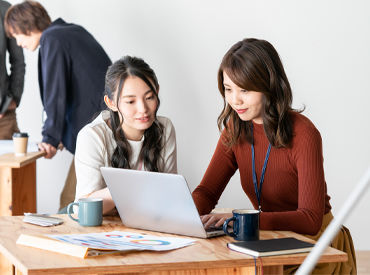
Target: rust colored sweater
294	193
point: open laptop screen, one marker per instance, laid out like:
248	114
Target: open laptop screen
154	201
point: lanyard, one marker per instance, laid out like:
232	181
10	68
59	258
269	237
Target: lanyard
259	191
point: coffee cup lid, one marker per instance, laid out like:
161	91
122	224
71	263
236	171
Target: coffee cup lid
20	135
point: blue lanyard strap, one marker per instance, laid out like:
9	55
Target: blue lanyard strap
259	191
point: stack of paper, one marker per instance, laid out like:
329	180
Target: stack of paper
41	219
120	240
93	244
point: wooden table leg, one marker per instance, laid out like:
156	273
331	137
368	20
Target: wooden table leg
17	195
6	267
24	189
17	190
6	182
5	210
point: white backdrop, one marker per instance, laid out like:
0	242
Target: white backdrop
324	46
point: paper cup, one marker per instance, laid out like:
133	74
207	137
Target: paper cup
20	141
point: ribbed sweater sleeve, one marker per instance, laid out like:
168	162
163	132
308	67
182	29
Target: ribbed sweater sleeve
221	168
307	218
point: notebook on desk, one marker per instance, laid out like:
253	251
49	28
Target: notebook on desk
271	247
155	201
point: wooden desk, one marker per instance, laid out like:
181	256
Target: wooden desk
17	189
18	183
204	257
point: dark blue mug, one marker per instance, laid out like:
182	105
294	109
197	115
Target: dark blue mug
246	225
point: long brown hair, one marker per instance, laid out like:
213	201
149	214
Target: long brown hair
254	65
115	78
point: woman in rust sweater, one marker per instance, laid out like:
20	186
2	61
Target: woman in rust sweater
277	150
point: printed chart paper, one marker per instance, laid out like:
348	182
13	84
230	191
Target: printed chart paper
119	240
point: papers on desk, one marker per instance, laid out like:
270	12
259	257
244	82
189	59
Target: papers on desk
6	146
93	244
41	219
120	240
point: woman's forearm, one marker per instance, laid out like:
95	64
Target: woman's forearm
108	203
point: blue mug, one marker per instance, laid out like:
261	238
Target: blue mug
90	211
246	225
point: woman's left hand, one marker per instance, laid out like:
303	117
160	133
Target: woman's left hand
216	219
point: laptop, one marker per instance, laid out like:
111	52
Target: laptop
155	201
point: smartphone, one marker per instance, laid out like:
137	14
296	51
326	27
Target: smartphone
4	104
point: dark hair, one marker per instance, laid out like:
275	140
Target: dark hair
25	18
115	78
254	65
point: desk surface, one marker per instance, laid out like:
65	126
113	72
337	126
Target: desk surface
203	254
10	160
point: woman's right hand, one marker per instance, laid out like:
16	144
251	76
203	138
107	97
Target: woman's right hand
215	219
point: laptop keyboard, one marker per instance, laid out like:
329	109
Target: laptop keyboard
214	228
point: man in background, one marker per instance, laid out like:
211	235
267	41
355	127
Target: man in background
72	67
11	86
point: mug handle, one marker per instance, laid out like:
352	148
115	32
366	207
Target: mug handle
226	224
70	210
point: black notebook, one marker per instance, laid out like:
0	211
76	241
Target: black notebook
271	247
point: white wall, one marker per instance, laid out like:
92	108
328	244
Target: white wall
324	45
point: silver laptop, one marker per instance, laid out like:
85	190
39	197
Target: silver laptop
155	201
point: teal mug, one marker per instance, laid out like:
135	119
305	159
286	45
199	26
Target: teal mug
90	211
